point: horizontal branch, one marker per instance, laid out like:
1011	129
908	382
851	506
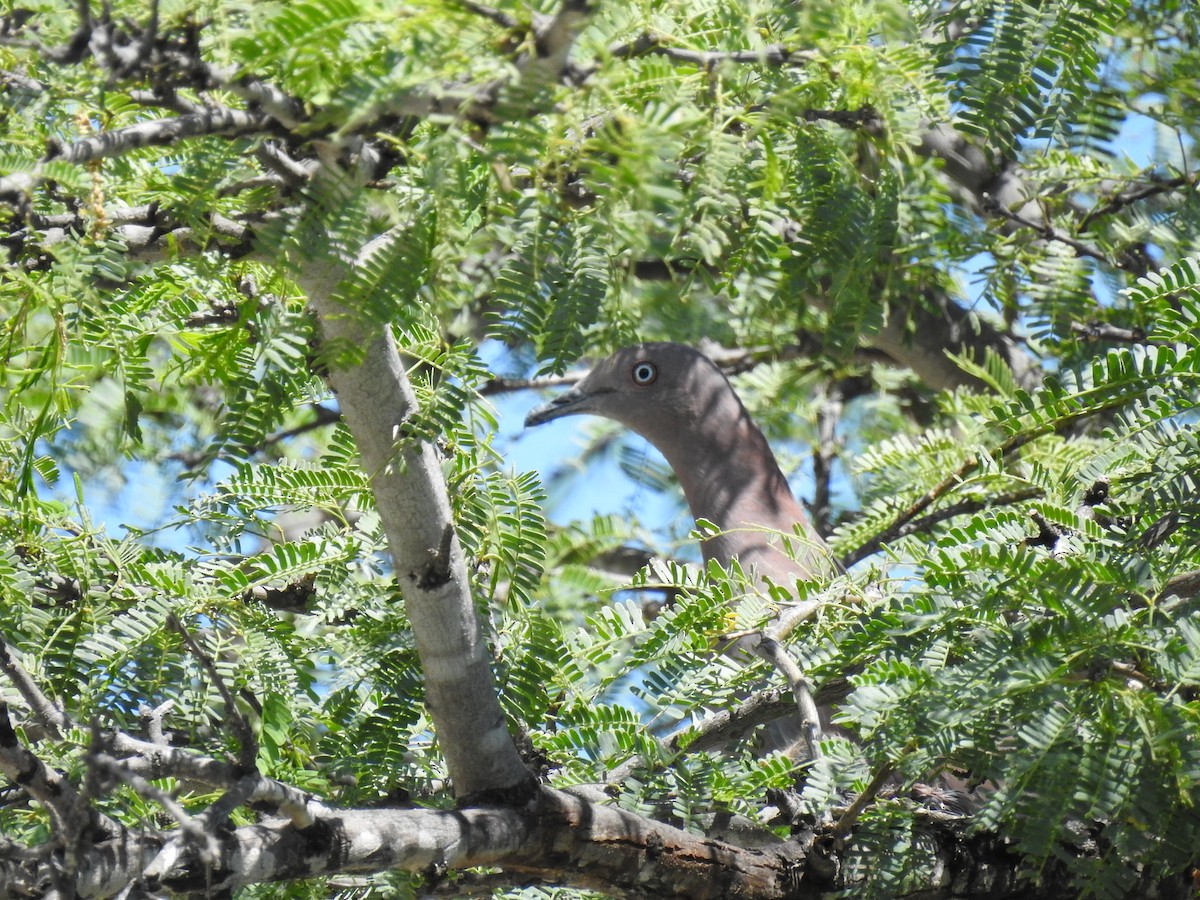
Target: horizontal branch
149	234
1185	585
503	19
1121	199
1103	331
209	121
1049	232
725	726
561	838
966	508
651	44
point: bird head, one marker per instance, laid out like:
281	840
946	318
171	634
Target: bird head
649	388
682	403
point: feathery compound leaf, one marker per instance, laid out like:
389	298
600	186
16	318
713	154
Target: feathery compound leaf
1022	71
1170	297
1114	380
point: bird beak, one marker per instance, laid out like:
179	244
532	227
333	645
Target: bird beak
571	403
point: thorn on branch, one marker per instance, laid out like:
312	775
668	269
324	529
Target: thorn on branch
436	572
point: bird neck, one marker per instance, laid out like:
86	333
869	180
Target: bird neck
731	478
737	481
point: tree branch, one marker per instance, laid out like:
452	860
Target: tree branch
1102	331
1048	232
376	398
247	740
824	452
965	508
53	719
651	43
611	850
214	120
1122	199
68	811
905	519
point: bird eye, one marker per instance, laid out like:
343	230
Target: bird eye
644	373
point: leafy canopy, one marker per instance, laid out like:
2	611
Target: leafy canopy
1016	610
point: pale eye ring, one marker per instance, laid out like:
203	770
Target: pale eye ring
644	373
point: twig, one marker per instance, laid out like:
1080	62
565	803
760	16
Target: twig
931	496
503	19
966	508
1050	233
1121	200
773	652
733	361
152	719
556	35
720	728
650	43
280	106
53	719
248	743
825	452
508	385
294	172
847	819
863	117
715	731
187	824
153	760
1014	443
192	459
793	613
323	416
1102	331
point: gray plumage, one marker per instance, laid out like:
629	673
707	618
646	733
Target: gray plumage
677	399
